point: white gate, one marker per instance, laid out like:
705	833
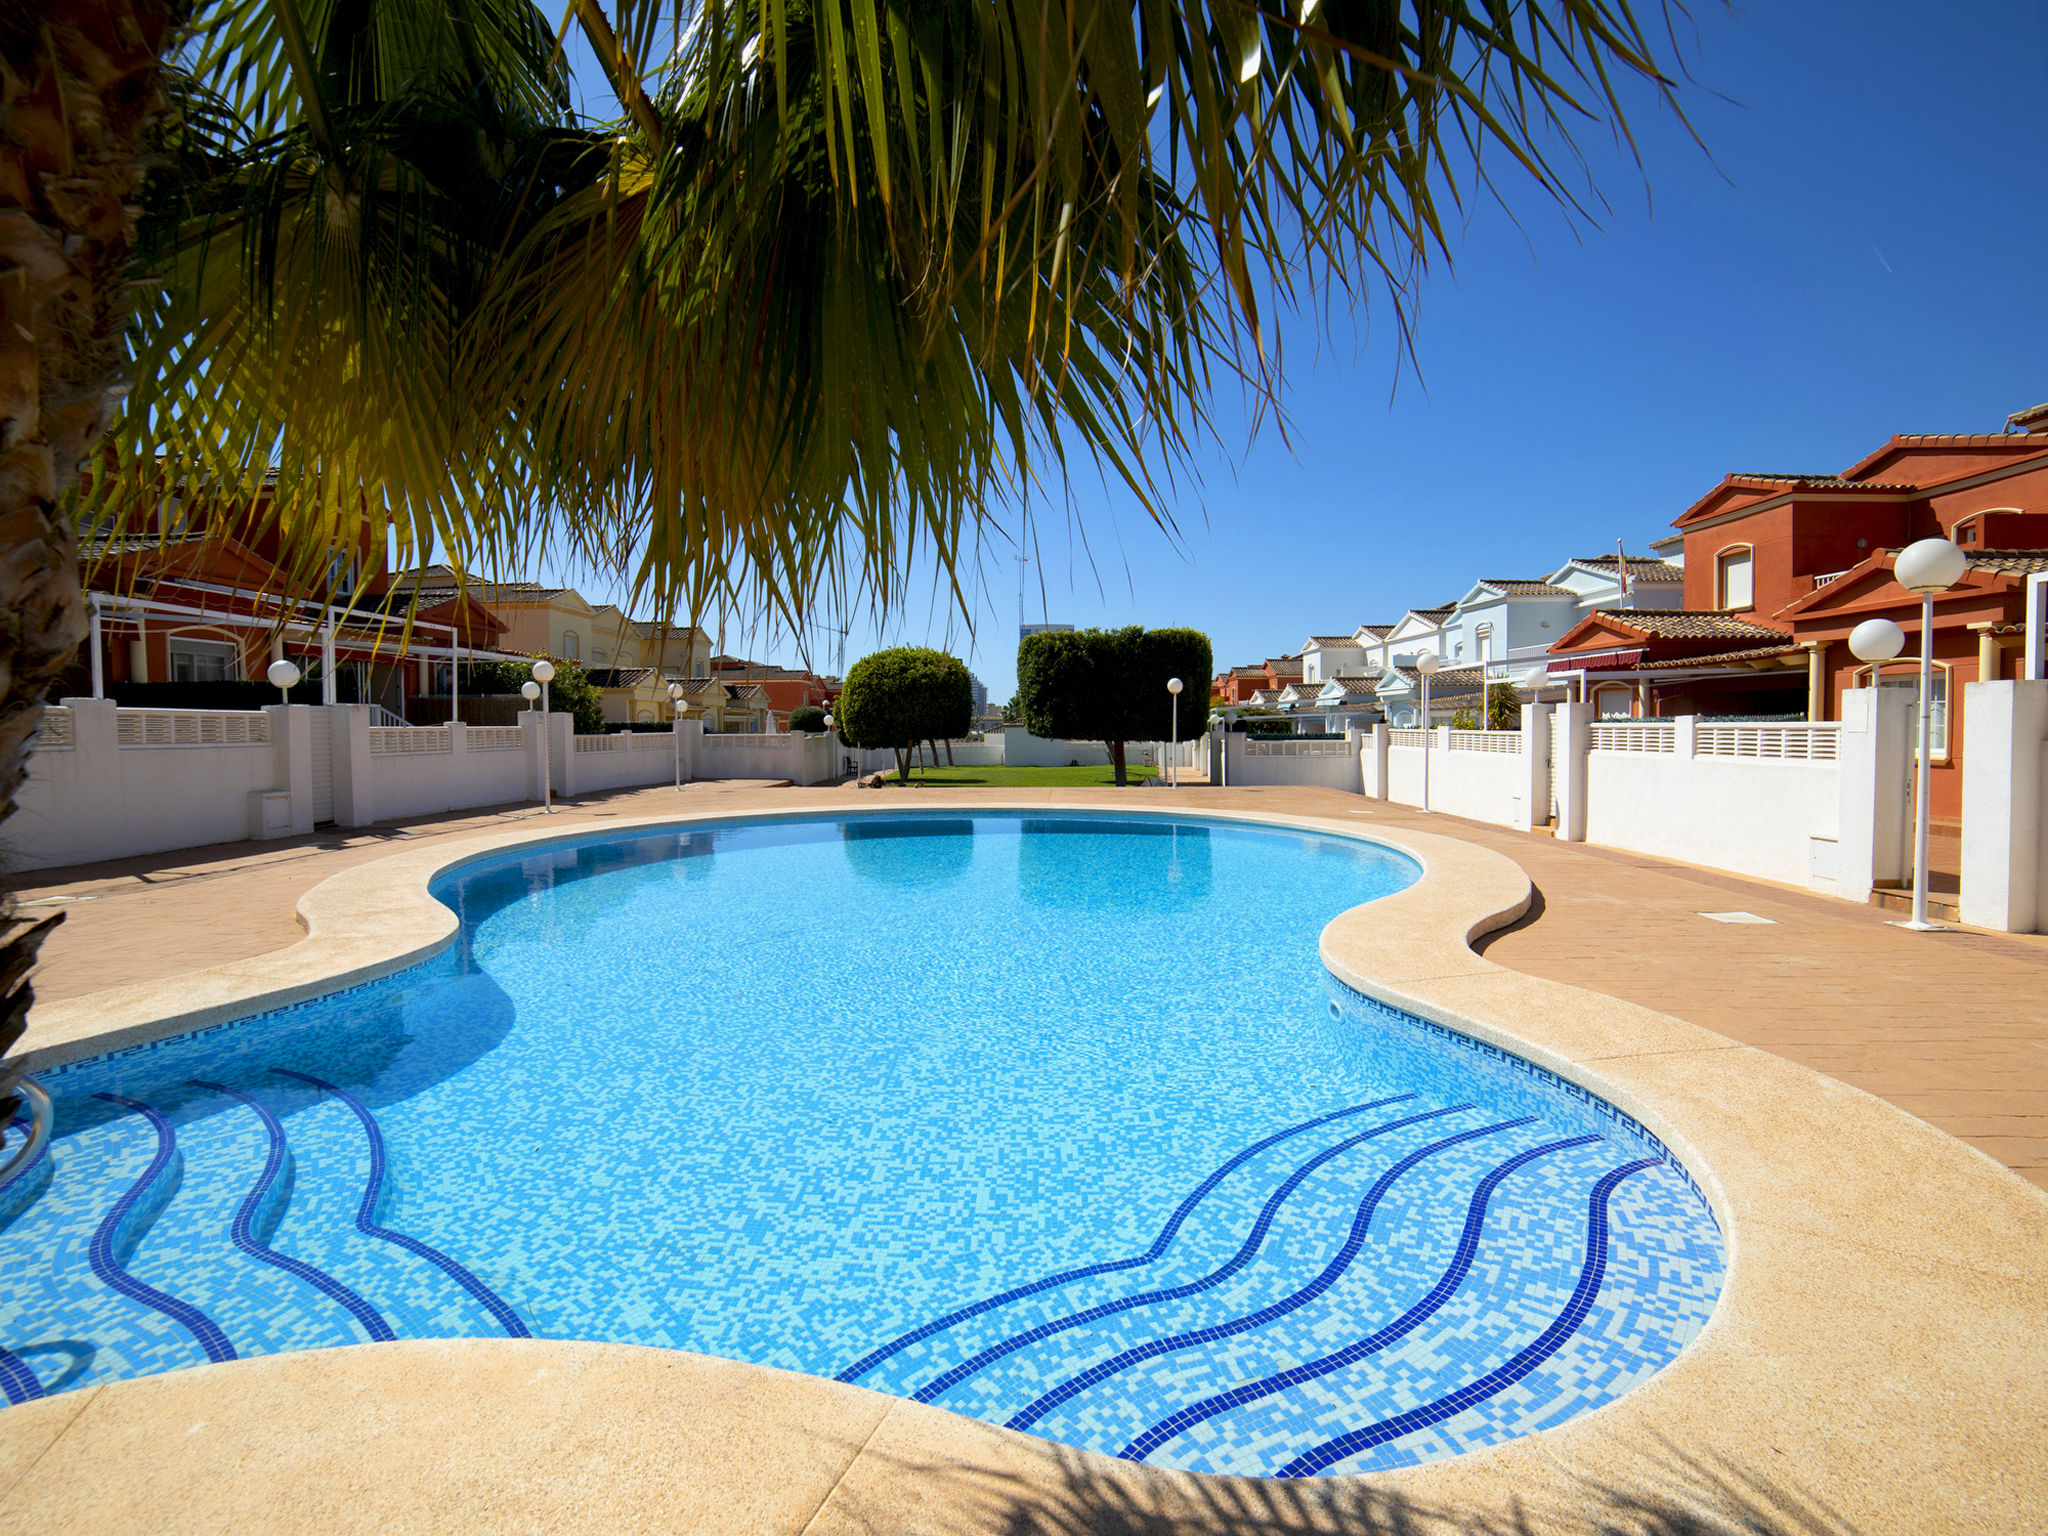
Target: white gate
323	766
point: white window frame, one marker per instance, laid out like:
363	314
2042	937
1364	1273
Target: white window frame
1721	561
225	651
1905	673
572	645
1628	701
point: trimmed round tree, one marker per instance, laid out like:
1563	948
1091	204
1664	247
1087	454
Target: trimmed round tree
808	718
1109	685
897	698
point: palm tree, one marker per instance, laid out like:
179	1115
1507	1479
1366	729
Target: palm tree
846	280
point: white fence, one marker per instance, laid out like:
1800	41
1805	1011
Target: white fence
109	783
1250	763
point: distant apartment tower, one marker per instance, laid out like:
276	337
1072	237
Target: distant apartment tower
1024	631
980	695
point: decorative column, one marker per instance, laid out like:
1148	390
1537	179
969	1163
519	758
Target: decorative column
1816	680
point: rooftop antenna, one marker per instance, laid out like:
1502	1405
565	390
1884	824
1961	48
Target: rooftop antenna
1621	564
1023	564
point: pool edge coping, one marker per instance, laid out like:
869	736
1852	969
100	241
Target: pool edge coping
1411	950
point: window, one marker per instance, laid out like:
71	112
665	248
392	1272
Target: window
572	647
1738	588
1966	531
1614	703
628	659
203	661
596	654
1904	674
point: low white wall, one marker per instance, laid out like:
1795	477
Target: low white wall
1021	749
461	778
1480	786
798	756
95	799
621	760
1741	814
1246	767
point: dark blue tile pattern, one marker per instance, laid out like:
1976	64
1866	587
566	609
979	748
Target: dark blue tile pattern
1361	1222
366	1216
1407	1322
1246	1250
1547	1343
117	1230
1159	1244
251	1211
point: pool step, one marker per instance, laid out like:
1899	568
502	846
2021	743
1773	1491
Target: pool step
192	1226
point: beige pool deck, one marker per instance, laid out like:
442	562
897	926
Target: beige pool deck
1878	1362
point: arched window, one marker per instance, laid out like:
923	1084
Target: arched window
572	647
1735	577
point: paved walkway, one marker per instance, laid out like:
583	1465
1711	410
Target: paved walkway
1950	1027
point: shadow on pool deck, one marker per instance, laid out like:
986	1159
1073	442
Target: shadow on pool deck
1699	1496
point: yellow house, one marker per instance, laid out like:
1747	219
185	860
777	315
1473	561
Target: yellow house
632	694
726	706
556	621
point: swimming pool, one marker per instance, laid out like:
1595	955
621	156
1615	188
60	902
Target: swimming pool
1055	1120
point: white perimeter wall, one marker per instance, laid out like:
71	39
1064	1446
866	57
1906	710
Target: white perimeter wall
1742	814
1246	769
1480	786
97	800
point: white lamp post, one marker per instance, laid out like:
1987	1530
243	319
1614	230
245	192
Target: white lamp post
1425	667
284	677
543	674
677	709
1928	567
1173	687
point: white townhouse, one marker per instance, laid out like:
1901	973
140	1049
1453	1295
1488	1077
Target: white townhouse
1419	630
1325	656
1597	580
1504	627
1452	689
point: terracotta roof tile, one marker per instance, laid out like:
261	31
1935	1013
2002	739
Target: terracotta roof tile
1525	588
2009	562
1640	567
1689	624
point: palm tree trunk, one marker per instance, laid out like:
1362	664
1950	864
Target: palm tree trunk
79	96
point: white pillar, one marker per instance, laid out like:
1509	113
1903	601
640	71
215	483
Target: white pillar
1572	721
355	800
1532	779
1372	761
291	749
1875	764
2006	725
327	690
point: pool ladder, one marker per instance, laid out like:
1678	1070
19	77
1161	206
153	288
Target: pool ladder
39	1117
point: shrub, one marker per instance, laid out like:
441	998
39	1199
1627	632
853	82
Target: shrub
808	718
1464	720
1109	685
897	698
1503	708
571	693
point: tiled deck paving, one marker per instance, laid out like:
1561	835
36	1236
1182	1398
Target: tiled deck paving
1950	1027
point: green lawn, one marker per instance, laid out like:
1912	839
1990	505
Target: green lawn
1022	778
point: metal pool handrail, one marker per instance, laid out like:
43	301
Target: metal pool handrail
40	1114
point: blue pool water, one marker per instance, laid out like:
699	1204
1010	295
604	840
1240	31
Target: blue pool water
1056	1121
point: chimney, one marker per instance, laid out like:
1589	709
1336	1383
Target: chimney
2033	421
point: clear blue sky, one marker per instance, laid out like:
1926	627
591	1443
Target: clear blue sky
1862	249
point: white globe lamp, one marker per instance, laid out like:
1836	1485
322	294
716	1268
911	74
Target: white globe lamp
1876	640
284	677
529	691
1930	566
543	671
